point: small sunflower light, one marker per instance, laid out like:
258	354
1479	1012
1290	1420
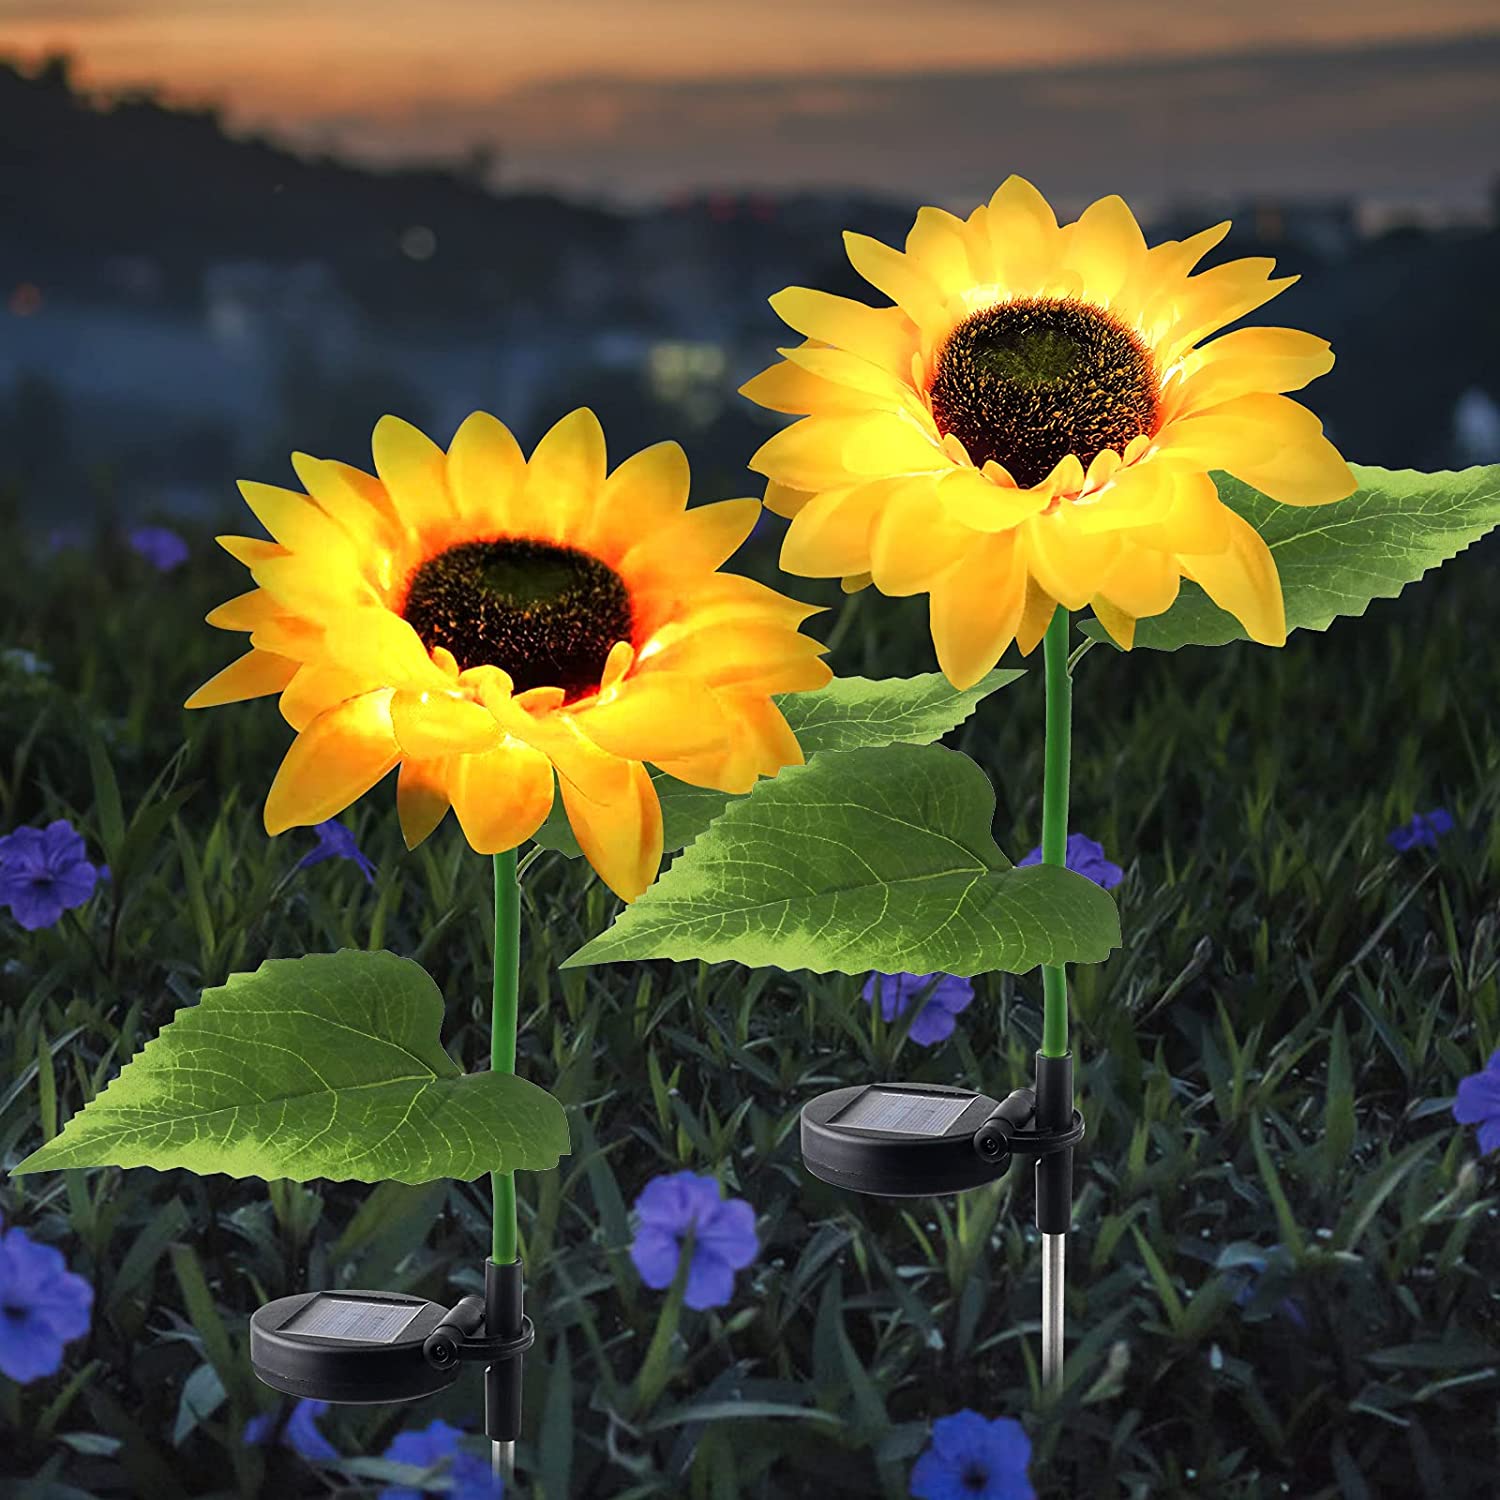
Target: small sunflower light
1033	422
492	625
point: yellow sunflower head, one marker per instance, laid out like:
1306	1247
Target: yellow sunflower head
1034	422
482	621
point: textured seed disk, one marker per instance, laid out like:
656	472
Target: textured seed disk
1031	381
545	614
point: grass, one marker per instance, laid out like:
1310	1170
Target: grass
1268	1061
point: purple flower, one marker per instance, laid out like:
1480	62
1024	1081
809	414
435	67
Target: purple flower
43	1305
159	545
971	1456
469	1477
1085	856
300	1434
723	1239
1251	1268
1423	829
44	872
935	1020
1478	1103
336	842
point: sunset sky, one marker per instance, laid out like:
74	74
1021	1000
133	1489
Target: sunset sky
630	100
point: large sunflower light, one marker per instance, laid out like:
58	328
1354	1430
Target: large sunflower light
484	622
1033	423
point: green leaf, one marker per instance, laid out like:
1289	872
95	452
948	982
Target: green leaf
1334	559
850	713
864	859
323	1066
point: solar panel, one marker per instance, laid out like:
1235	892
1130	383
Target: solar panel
350	1318
904	1112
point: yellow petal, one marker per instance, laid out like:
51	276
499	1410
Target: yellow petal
253	675
1216	297
975	608
699	541
381	645
243	612
1193	523
831	536
1120	625
883	335
974	500
250	550
363	511
1142	582
485	468
913	540
1068	562
429	725
295	521
901	279
1139	495
891	442
867	385
595	773
1023	234
938	244
788	387
414	471
762	743
1248	360
647	492
809	455
317	687
781	501
1036	616
747	656
1243	580
421	798
501	797
654	714
333	762
1303	468
621	839
855	582
1106	248
564	477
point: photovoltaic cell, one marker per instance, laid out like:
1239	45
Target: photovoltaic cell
904	1113
350	1318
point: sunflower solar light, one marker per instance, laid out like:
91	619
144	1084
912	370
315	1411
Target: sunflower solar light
1032	426
495	630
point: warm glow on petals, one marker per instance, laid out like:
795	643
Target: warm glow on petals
317	686
365	520
564	478
1068	562
501	797
430	725
421	798
652	715
413	470
295	521
333	762
485	468
975	608
973	499
648	491
697	542
1243	580
883	335
831	536
244	612
1246	361
900	277
383	646
622	839
256	674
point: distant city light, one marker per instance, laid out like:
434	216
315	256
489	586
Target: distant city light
418	242
26	299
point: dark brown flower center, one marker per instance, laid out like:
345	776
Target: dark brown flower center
1031	381
544	613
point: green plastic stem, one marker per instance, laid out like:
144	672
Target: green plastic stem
503	1034
1055	815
